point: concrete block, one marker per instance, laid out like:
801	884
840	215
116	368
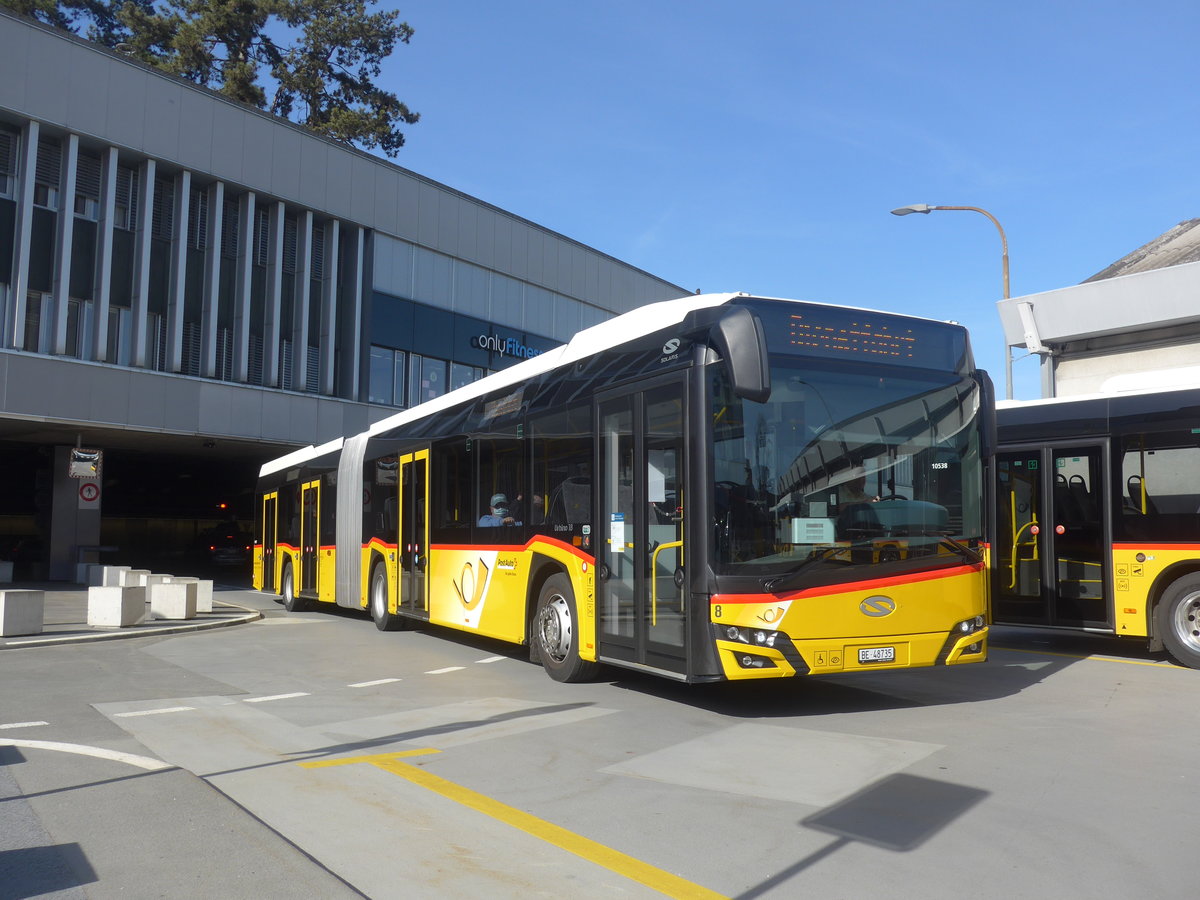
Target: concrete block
171	601
114	575
204	591
134	577
6	571
112	606
157	578
21	612
94	574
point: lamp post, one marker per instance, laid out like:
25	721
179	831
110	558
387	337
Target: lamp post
926	209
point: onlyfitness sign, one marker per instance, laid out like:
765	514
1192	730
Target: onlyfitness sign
503	346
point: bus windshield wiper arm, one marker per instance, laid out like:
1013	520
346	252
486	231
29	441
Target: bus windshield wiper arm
781	582
958	547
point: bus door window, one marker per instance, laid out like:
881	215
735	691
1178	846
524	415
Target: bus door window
267	539
414	531
616	544
664	490
1079	536
1050	554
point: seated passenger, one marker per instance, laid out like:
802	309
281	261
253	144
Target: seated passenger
499	513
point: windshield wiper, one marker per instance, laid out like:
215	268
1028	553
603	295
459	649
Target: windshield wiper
780	582
950	543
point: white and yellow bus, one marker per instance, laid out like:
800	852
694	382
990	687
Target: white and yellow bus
1098	517
716	487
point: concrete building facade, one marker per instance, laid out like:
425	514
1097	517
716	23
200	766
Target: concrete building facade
194	286
1133	326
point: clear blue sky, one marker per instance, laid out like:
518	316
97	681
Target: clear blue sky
759	146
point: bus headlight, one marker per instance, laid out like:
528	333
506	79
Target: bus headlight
973	624
757	637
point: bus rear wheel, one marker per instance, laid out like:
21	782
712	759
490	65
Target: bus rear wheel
287	587
384	620
556	632
1178	620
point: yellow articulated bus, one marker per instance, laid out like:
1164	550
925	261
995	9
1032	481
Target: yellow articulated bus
1098	517
716	487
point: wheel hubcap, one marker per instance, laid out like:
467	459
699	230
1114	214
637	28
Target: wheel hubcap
554	628
1187	621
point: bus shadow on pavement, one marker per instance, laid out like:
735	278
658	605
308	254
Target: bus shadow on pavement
1003	675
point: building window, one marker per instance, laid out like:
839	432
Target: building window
125	207
8	162
461	375
262	232
290	238
47	173
426	378
230	230
386	385
198	220
162	225
87	187
318	252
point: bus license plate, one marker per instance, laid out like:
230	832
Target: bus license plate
876	654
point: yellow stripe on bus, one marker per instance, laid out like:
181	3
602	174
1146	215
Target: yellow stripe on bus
613	860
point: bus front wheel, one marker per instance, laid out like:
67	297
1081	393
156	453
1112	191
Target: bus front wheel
556	632
1178	620
384	620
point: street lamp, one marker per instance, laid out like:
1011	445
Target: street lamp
926	209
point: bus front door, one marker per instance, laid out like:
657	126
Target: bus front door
414	532
310	538
1050	565
642	609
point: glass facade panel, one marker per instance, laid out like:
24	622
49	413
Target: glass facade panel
381	379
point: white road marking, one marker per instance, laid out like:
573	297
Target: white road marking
445	670
154	712
490	659
142	762
274	697
23	724
373	683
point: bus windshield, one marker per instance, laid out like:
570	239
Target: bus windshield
844	467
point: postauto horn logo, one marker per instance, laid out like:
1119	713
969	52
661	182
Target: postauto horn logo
878	606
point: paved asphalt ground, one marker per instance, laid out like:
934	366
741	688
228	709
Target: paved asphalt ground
308	755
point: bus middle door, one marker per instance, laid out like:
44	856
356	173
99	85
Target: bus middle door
310	538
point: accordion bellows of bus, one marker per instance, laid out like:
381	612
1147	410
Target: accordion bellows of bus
716	487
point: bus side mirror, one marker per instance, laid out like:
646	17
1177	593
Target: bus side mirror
987	414
738	336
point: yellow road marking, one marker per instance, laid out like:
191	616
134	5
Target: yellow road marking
1128	662
613	860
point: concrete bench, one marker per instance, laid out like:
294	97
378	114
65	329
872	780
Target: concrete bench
133	577
172	601
111	576
112	606
21	612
